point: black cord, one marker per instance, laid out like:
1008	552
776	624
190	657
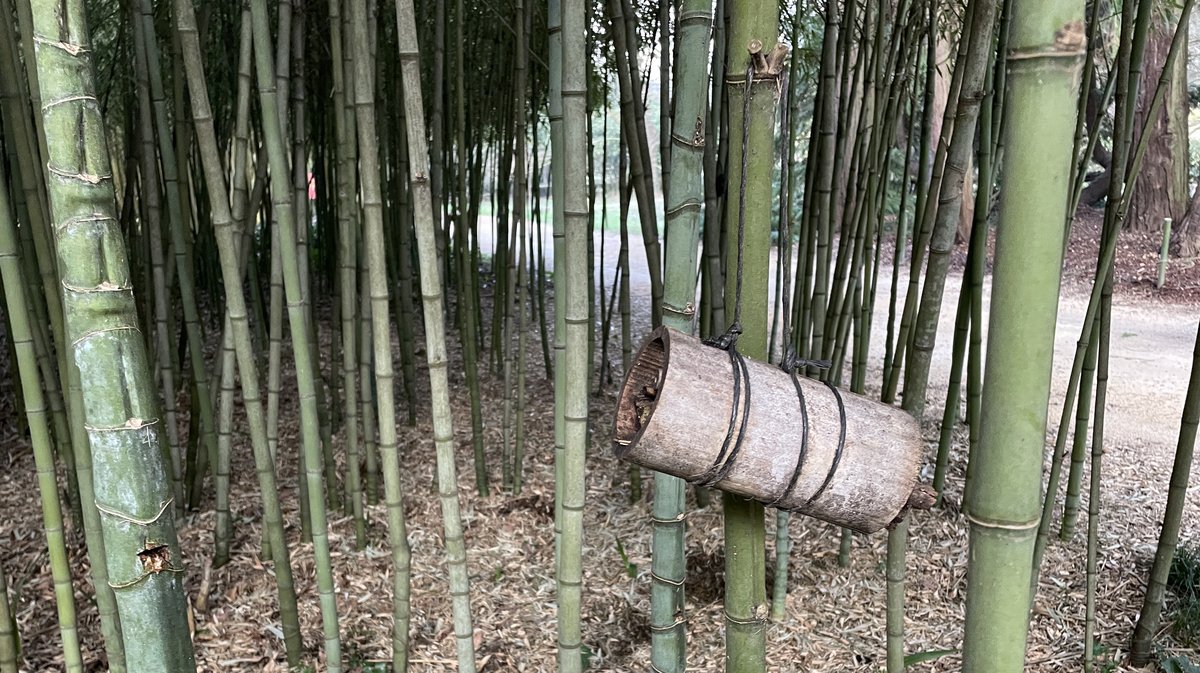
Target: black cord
734	436
837	455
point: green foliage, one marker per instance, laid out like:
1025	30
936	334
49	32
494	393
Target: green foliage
1183	581
630	568
586	655
1106	658
1178	664
928	655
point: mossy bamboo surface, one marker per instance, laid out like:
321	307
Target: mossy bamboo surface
118	400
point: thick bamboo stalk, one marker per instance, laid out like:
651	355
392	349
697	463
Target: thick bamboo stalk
752	87
1044	58
119	407
554	45
32	209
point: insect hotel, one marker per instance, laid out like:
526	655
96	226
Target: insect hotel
717	419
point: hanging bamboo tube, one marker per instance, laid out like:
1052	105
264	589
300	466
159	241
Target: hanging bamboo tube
673	416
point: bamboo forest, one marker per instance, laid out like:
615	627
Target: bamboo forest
599	335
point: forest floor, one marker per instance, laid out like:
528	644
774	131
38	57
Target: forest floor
835	616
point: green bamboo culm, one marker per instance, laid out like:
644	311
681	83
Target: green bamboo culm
381	331
433	306
132	475
348	268
39	434
684	207
1148	621
306	374
179	240
10	641
574	280
1045	56
753	25
554	47
227	236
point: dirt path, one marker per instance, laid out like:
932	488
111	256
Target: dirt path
1149	366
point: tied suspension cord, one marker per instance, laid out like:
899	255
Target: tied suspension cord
740	408
723	464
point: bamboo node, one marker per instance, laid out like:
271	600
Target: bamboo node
129	518
99	332
131	424
104	286
70	48
90	178
84	219
1003	525
68	99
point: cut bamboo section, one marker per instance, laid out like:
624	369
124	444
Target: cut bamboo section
674	416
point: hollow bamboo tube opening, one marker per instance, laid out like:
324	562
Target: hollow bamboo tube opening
643	383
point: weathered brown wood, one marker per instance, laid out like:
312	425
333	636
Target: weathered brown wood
674	413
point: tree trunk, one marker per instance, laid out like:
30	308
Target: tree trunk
1162	187
1187	236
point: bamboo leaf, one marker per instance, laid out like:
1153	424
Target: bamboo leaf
928	655
1179	664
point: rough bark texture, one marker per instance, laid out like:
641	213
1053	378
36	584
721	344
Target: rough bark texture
1162	186
680	428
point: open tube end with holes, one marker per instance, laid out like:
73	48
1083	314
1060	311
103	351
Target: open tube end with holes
641	390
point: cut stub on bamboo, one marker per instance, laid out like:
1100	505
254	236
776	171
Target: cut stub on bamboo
676	415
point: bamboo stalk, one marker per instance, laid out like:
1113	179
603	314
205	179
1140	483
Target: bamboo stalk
101	328
224	229
16	309
1044	59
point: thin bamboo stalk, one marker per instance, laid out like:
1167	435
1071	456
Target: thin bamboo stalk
15	306
306	371
226	236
